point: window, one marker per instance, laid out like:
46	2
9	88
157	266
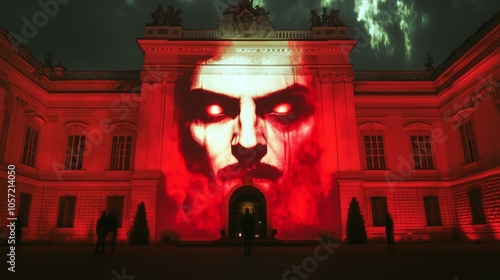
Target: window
115	208
476	207
30	146
422	152
468	142
24	208
379	211
74	152
374	152
66	211
121	151
432	212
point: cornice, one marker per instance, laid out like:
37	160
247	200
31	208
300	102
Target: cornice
469	59
159	76
335	76
247	47
411	86
90	85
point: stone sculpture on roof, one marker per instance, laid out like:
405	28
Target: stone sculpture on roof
245	21
332	19
165	18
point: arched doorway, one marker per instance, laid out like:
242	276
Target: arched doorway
252	198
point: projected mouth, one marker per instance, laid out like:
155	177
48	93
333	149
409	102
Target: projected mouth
258	171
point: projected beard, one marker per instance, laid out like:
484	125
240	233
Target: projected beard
260	125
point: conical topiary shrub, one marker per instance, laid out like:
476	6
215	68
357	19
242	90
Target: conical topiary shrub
355	232
139	232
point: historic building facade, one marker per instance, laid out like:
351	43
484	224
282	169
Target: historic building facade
246	116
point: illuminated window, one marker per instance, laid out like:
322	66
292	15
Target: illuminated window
30	146
422	152
468	142
374	152
24	208
115	208
66	215
379	210
74	152
121	152
432	212
476	207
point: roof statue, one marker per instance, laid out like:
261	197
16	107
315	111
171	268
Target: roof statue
326	19
428	65
429	68
245	21
165	18
49	58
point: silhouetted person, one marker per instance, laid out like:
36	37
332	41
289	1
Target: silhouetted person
247	230
111	226
389	231
101	232
19	231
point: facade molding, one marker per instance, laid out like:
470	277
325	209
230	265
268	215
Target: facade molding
335	76
418	127
76	127
52	119
370	127
21	103
123	127
153	77
463	115
34	119
496	98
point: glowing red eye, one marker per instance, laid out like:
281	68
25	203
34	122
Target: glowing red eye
282	108
214	109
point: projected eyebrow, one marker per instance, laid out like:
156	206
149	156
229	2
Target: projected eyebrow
284	107
287	106
208	107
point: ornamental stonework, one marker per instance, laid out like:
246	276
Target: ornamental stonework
418	127
21	103
159	76
371	127
123	128
336	77
245	21
76	127
35	121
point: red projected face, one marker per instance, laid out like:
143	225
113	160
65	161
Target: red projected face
250	124
239	121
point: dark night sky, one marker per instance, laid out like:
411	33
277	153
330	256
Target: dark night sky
101	35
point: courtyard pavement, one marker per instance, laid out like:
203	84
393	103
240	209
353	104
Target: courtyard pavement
440	261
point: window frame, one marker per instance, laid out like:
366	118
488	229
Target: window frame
30	148
64	210
431	165
111	209
112	164
379	159
433	215
467	157
372	129
70	156
476	206
24	211
378	219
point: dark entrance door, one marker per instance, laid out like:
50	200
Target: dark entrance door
253	199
